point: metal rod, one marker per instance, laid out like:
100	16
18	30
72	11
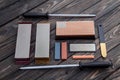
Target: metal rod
51	66
73	15
96	64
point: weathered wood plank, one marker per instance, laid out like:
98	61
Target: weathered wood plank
114	18
10	48
17	9
113	36
6	3
104	9
114	76
52	6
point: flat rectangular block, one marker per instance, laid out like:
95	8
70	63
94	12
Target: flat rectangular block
83	57
42	43
64	50
57	50
22	52
75	29
82	47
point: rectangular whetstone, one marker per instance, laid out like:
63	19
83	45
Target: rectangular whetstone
22	52
75	29
64	50
82	47
83	56
42	43
57	50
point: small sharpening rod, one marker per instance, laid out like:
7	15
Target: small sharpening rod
46	15
95	64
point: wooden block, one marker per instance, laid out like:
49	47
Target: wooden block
57	50
22	51
83	57
82	47
75	29
64	50
42	43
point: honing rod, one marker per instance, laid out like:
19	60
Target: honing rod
46	15
95	64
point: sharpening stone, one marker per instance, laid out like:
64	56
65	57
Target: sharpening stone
57	50
42	43
75	29
64	50
22	52
82	47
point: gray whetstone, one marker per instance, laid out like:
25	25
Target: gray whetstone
82	47
23	41
42	40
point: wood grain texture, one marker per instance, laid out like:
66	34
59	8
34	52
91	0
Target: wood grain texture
107	11
6	3
17	9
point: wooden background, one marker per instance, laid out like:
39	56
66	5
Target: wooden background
108	14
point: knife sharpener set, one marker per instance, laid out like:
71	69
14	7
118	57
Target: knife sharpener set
64	30
75	30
